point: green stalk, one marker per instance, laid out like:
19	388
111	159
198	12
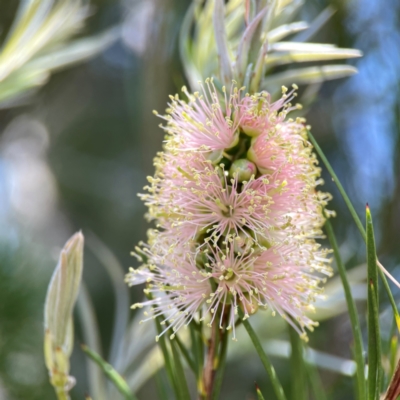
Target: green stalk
263	357
351	306
356	220
220	366
118	381
183	389
298	378
374	343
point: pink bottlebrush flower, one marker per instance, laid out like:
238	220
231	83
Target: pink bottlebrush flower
278	279
258	114
175	289
203	124
237	228
192	196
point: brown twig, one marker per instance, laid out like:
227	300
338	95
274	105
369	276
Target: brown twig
209	371
393	391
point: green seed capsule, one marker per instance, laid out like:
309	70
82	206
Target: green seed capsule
243	169
235	141
215	156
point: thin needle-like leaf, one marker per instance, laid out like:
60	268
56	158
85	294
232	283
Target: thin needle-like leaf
259	394
245	44
299	56
308	75
183	389
285	30
280	394
91	336
298	377
221	42
186	355
374	343
316	25
220	366
351	306
169	366
121	313
111	373
356	220
315	381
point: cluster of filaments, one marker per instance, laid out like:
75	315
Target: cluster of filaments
237	213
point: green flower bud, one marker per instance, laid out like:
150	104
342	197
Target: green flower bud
243	169
250	131
252	156
242	243
235	141
61	296
215	156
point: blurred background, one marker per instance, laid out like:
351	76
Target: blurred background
75	155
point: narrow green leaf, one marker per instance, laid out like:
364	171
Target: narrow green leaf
308	75
162	389
198	352
315	381
220	367
186	355
263	357
394	342
167	358
221	41
183	389
357	222
285	30
243	52
91	336
194	347
298	377
281	57
374	343
111	373
351	306
338	184
377	371
371	255
116	274
318	23
259	394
